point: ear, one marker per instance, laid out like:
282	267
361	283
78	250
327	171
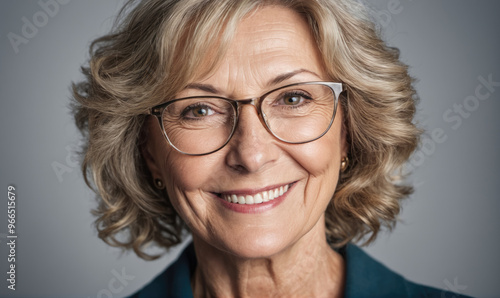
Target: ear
150	146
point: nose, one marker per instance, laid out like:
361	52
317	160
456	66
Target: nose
252	147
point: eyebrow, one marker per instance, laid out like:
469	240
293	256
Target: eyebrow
203	87
288	75
278	79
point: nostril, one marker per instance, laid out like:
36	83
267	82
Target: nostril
238	168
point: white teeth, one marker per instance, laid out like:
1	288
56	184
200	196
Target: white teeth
265	196
258	198
271	195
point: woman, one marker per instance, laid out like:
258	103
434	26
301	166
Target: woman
273	131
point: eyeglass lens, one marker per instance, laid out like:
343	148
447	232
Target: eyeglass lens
294	114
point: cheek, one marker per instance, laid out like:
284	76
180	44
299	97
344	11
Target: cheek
185	176
320	157
190	174
185	172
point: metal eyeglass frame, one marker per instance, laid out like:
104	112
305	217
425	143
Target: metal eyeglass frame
337	89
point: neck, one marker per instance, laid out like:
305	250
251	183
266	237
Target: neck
308	267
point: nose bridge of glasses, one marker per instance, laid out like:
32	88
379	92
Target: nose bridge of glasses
250	101
255	102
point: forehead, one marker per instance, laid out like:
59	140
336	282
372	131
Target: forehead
267	19
271	27
268	41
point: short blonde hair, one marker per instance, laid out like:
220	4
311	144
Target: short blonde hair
154	51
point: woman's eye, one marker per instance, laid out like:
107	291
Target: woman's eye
198	112
294	99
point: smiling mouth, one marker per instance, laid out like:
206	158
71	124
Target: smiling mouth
257	198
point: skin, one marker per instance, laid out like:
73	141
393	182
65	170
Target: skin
279	251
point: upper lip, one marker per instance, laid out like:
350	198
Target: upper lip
252	191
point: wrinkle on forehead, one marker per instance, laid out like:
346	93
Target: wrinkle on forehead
269	41
269	28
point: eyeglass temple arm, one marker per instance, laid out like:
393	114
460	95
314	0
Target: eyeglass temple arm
338	88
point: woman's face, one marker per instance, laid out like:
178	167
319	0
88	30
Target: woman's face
273	42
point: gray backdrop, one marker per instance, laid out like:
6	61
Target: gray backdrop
448	234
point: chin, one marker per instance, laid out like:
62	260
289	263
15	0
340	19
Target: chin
256	246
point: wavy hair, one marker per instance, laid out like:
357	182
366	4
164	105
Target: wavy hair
156	47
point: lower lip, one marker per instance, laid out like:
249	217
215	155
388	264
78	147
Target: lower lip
255	208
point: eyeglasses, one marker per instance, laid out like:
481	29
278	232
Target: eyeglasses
296	114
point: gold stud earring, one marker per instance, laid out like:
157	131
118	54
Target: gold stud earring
159	184
344	163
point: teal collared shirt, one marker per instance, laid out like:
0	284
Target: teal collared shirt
365	277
